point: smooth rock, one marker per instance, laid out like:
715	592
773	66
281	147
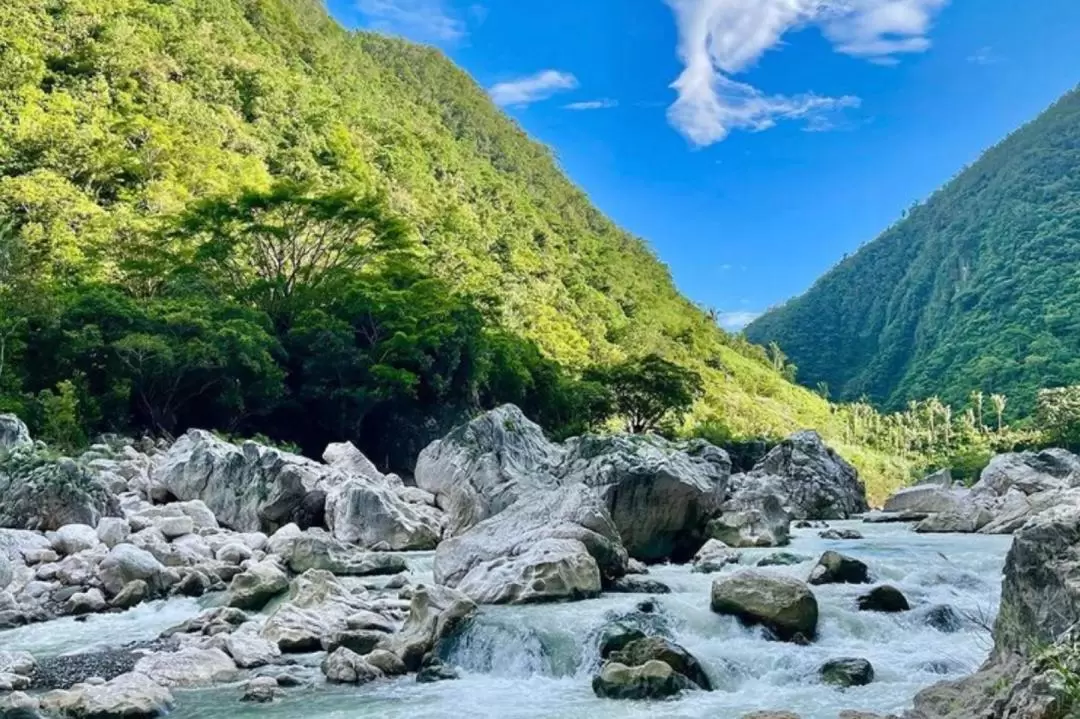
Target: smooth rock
434	612
652	680
785	606
847	672
883	599
256	586
714	556
190	667
836	568
344	666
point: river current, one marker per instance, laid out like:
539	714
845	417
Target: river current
536	662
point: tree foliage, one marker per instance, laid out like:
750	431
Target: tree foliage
649	391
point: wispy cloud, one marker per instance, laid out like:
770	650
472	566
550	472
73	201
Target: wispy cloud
424	20
603	104
736	321
984	56
718	39
527	90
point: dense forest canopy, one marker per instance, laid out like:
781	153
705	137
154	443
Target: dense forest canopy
977	289
166	167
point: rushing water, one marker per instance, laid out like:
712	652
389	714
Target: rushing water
537	661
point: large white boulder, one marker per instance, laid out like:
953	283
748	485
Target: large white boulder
370	513
125	563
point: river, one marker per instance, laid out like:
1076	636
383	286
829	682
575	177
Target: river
536	661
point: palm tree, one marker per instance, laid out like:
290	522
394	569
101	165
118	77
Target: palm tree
977	403
999	401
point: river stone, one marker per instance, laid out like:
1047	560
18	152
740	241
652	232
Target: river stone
652	680
752	519
134	592
636	584
943	618
74	538
248	488
344	666
256	586
173	527
248	649
436	671
785	606
45	493
482	467
7	573
660	494
386	662
836	568
615	636
847	672
112	531
544	535
261	690
970	519
929	499
370	513
361	641
190	667
130	696
434	612
88	602
781	559
315	549
350	460
17	663
13	433
812	479
318	606
125	563
640	651
714	556
883	599
1029	472
770	715
840	534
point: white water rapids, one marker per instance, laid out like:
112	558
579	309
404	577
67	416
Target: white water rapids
536	662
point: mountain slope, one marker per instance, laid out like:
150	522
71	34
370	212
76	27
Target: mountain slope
976	289
118	115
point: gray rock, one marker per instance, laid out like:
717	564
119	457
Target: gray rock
847	672
929	499
1030	472
233	553
840	534
635	584
134	592
346	457
714	556
781	559
126	563
318	606
13	433
256	586
386	662
369	513
74	538
970	519
112	531
315	549
883	599
131	696
436	671
481	468
17	663
248	649
641	651
753	518
88	602
652	680
435	612
660	494
45	493
190	667
7	573
785	606
173	527
261	690
18	705
813	480
344	666
547	546
836	568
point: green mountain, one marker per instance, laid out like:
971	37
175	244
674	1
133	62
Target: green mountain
978	288
117	117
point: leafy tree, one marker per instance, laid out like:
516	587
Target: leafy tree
1058	414
648	390
61	425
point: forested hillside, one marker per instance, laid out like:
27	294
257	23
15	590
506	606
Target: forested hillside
977	289
162	162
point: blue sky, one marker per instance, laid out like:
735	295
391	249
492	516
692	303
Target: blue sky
754	142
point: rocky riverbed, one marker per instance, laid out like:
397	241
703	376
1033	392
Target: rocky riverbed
511	577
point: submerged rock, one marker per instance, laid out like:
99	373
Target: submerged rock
781	559
847	672
836	568
652	680
436	671
261	690
785	606
435	612
714	556
837	534
883	599
639	652
636	584
344	666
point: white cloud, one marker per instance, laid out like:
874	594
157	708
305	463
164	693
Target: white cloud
603	104
736	321
718	39
425	20
984	56
527	90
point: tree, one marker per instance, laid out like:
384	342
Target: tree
267	246
1058	415
648	390
999	401
977	399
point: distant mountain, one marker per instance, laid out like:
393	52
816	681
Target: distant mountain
977	288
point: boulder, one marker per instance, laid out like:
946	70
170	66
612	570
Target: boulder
847	672
660	494
652	680
970	519
45	493
635	584
482	467
615	636
1029	472
943	618
345	457
173	527
1016	508
435	671
134	592
813	480
315	549
125	563
883	599
190	667
836	568
840	534
248	488
641	651
941	478
112	531
781	559
714	556
928	499
249	650
74	538
13	433
261	690
256	586
434	612
7	573
344	666
784	606
88	602
753	518
386	662
368	513
130	696
548	545
318	606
